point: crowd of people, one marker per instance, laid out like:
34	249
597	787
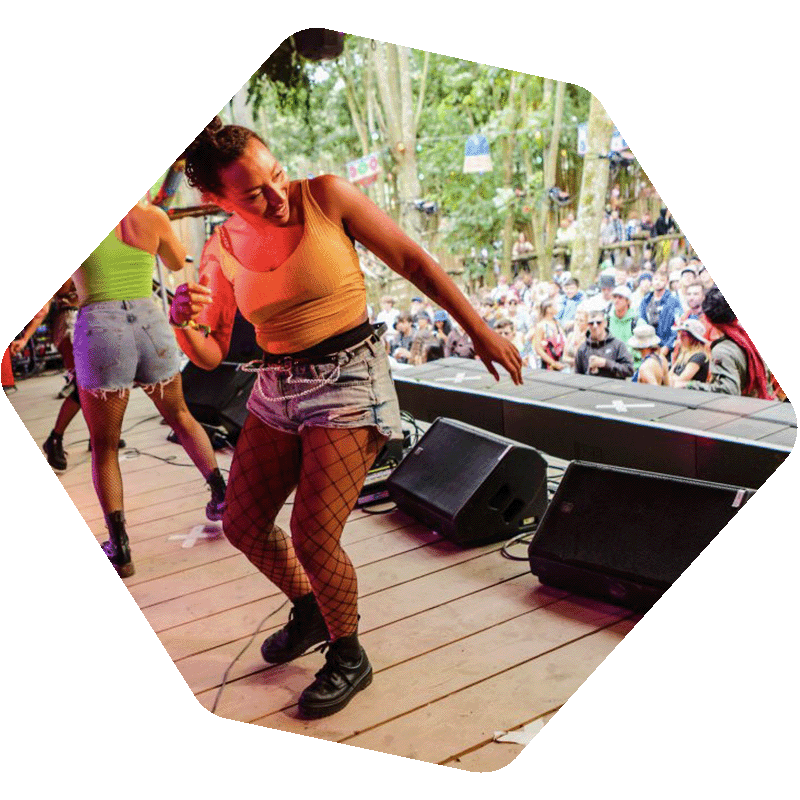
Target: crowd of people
666	325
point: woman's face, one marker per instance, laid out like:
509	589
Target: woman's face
581	320
256	187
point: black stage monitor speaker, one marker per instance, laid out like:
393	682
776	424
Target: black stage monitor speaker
625	536
470	486
218	397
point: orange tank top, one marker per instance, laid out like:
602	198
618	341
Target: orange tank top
313	295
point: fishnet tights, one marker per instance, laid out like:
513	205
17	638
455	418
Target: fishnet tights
104	420
328	467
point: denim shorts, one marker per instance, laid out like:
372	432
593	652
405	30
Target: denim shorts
350	389
119	343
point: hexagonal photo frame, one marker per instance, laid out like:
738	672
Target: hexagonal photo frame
753	417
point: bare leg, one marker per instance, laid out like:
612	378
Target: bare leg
168	399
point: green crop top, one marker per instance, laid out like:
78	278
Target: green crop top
115	271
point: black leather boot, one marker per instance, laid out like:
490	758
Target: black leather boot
117	548
54	450
347	670
215	507
305	628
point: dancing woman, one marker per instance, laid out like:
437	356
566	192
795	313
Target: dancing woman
324	403
122	338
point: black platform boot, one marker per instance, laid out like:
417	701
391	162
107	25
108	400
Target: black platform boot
305	628
54	450
117	548
215	507
347	670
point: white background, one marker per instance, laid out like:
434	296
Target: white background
99	98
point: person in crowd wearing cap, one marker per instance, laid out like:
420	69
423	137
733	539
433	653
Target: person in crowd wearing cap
688	275
424	336
577	336
653	367
661	309
388	313
736	366
622	319
400	346
606	285
417	305
548	337
691	355
573	297
601	354
441	325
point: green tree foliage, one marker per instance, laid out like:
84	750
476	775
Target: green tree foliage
302	109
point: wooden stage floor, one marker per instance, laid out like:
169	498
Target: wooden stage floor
464	642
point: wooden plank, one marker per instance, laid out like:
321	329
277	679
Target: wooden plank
447	726
493	755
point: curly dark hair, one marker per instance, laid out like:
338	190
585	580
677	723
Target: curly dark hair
716	307
215	147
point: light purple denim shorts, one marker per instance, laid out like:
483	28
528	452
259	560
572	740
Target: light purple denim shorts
119	343
351	389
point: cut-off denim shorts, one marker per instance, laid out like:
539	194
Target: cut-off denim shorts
119	343
350	389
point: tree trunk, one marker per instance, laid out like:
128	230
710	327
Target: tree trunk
551	162
509	142
394	86
594	186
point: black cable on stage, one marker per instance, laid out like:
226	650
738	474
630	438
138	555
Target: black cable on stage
168	460
521	538
375	513
241	653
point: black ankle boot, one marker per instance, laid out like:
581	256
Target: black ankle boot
117	548
305	628
347	670
216	505
54	450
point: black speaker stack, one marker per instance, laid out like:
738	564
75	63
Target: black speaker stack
620	535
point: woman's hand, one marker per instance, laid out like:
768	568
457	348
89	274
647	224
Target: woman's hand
492	348
190	299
